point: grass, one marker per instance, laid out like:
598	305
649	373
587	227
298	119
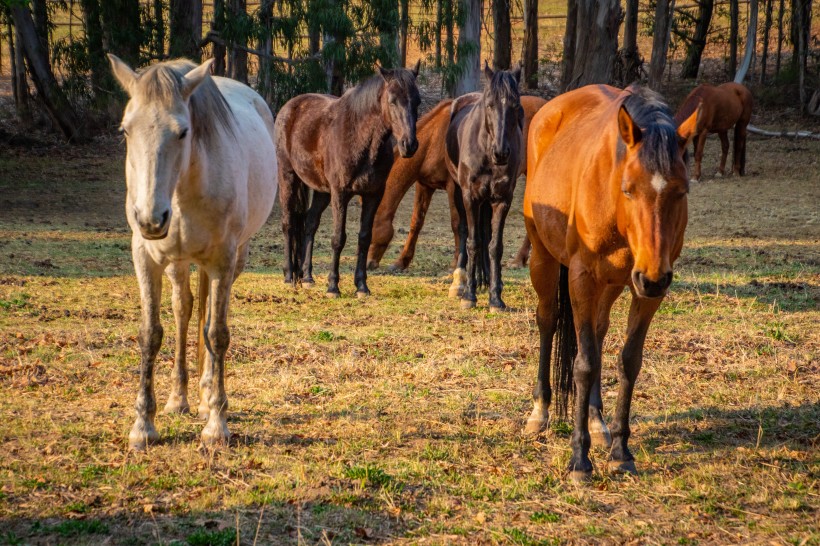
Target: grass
397	419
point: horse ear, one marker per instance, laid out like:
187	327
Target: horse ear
630	132
689	128
416	69
192	79
386	74
124	74
488	71
517	74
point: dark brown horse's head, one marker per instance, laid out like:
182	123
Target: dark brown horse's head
400	106
652	203
503	115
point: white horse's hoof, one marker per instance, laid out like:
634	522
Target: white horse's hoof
459	283
203	412
332	295
599	433
362	295
142	434
308	284
215	433
538	421
177	404
622	467
456	292
467	304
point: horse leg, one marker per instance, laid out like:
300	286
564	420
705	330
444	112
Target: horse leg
424	195
472	209
370	204
598	431
289	201
641	312
520	260
460	271
496	249
455	221
544	271
149	277
217	339
724	151
182	301
320	202
700	144
339	202
739	153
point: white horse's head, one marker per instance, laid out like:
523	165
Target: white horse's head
158	126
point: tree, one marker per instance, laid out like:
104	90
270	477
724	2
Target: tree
102	84
237	38
630	57
664	10
691	65
185	28
570	37
502	50
767	27
218	27
780	12
469	47
122	34
595	41
734	17
404	23
530	53
801	34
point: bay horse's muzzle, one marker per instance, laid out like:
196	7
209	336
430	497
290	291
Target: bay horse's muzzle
647	288
408	146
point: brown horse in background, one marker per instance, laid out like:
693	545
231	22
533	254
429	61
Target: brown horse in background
722	107
605	207
341	147
429	173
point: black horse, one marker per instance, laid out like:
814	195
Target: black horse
484	151
341	147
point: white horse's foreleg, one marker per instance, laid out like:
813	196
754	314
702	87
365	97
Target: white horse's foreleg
217	339
149	277
183	302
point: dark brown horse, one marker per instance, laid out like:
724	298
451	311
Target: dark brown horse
483	155
605	207
721	108
340	147
429	173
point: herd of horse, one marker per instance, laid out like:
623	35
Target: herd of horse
605	207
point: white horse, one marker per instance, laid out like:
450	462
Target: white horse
201	175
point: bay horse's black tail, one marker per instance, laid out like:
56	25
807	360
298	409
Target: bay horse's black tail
566	347
298	220
484	234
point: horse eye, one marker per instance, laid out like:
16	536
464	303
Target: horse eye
123	131
183	134
627	193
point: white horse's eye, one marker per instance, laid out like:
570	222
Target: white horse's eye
183	134
123	131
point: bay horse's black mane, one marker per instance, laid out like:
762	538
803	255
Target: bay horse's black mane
502	86
659	142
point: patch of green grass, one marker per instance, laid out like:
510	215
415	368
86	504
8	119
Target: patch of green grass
16	301
77	527
544	517
324	335
203	537
368	474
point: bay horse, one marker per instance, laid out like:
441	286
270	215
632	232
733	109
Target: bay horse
721	108
429	173
199	171
483	148
605	207
341	147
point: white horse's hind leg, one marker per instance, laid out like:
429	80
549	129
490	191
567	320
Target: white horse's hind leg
183	302
149	276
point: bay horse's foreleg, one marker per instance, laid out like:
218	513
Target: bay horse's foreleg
217	340
496	249
724	151
339	202
370	203
641	312
700	144
739	153
460	271
598	431
318	206
149	277
455	221
472	210
544	272
182	301
421	204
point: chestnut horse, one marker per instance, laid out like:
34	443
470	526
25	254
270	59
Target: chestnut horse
341	147
605	207
427	169
722	107
483	155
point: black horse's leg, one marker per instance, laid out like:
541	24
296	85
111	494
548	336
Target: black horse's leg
496	249
471	208
339	201
460	270
641	312
288	199
598	431
370	204
456	205
320	202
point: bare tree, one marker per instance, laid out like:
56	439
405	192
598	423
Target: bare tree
404	24
469	47
596	41
530	53
691	64
570	37
630	57
122	33
767	27
217	27
781	10
502	50
185	28
103	85
19	81
238	56
664	10
734	18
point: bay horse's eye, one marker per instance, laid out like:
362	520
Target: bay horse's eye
183	134
627	193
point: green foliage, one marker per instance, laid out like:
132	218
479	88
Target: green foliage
203	537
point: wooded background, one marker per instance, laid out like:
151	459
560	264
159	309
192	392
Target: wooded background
54	50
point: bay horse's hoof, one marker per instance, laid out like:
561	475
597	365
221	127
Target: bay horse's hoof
372	264
622	467
176	405
579	476
395	268
467	304
141	435
599	434
332	295
362	294
515	264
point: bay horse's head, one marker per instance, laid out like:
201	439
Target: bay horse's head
162	119
400	106
503	115
652	202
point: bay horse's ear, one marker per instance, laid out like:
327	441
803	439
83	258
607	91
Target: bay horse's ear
630	132
124	74
488	71
192	79
416	69
386	74
689	128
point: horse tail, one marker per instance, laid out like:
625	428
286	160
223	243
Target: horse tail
566	347
204	288
484	234
298	221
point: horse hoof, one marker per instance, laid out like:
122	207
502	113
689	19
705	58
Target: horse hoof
599	434
395	268
203	414
332	295
622	467
456	292
363	294
141	436
215	433
536	425
372	264
694	180
517	265
498	308
579	476
467	304
176	405
308	283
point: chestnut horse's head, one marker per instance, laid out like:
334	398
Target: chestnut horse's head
503	115
652	203
400	106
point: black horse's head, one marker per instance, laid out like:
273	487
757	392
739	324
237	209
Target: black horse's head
400	106
503	115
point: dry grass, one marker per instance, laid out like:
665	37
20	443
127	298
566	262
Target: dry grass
398	419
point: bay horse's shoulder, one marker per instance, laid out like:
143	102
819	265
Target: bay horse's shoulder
463	101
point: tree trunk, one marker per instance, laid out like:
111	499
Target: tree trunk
449	22
734	17
159	34
691	65
334	48
631	57
780	12
439	24
404	24
767	27
502	51
40	13
218	26
664	10
469	48
751	41
185	17
237	57
530	53
122	33
596	44
103	84
55	101
19	83
801	32
570	39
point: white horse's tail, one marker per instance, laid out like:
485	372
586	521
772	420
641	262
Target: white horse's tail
203	316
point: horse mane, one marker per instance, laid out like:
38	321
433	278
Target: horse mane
503	85
364	97
210	112
690	104
432	114
659	142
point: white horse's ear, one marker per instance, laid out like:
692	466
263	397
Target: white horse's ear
124	74
195	77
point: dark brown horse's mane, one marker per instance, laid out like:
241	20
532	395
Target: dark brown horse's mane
503	85
659	142
364	98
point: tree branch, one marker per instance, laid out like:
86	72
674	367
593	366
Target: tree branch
213	37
